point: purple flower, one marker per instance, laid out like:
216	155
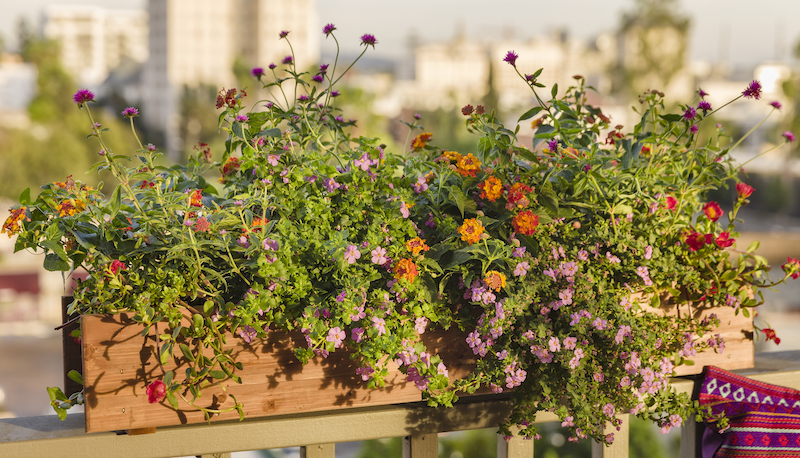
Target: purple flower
522	269
323	69
753	90
287	60
328	29
368	39
335	94
511	58
694	128
776	105
83	96
248	333
272	66
270	245
702	93
257	72
283	34
242	118
552	145
130	112
303	98
689	114
703	105
788	136
318	78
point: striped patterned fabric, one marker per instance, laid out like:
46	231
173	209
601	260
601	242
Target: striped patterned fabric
764	418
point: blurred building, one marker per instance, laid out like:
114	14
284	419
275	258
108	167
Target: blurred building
195	42
17	89
96	40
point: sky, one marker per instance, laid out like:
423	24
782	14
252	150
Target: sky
741	32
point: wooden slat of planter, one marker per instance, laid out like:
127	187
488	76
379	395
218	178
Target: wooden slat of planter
119	362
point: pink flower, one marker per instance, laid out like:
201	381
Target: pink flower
404	210
608	410
83	96
419	324
379	324
379	256
336	335
442	369
554	344
569	343
521	269
357	334
789	136
156	391
273	159
351	253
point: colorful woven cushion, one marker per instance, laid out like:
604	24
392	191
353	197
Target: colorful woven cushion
764	418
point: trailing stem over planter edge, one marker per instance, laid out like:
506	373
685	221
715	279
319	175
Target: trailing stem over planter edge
540	252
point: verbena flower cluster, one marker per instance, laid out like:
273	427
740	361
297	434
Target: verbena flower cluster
548	260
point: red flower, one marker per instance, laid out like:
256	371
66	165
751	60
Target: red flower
696	240
116	266
723	240
467	110
744	190
671	203
712	211
156	391
769	334
792	267
196	198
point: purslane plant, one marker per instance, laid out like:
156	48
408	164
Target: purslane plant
551	259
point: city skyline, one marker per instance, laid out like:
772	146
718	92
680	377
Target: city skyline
729	31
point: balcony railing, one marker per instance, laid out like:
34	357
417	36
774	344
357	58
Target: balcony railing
317	433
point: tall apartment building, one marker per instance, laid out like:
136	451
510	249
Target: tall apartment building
194	42
95	40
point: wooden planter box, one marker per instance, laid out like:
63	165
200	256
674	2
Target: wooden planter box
117	363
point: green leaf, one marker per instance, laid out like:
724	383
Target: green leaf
53	263
115	201
753	246
25	197
554	91
173	401
530	113
459	198
622	209
186	352
217	374
75	376
270	133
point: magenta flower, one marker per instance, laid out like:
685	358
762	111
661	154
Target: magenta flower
357	334
336	335
689	114
368	39
351	253
83	96
335	94
130	112
703	105
283	34
287	60
511	58
257	72
702	93
328	29
272	66
156	391
242	118
789	136
694	128
753	90
776	105
318	78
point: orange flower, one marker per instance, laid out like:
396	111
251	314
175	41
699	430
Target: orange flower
525	222
258	223
451	156
231	165
12	226
416	245
471	230
518	195
70	207
491	189
406	269
196	198
421	140
468	165
495	280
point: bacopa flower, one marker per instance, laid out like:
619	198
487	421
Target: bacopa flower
525	222
406	269
712	211
83	96
368	39
130	112
257	72
471	230
789	136
379	256
336	336
511	58
744	190
351	253
328	29
156	391
753	90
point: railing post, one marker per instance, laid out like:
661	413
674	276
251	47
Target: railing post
690	439
318	451
516	447
620	448
421	446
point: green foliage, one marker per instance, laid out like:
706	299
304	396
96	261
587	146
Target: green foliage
550	257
